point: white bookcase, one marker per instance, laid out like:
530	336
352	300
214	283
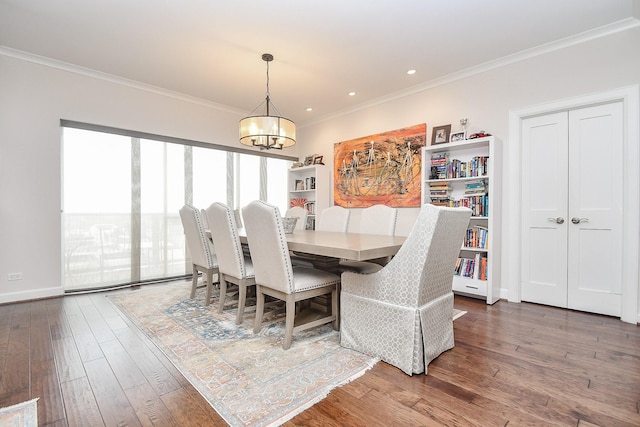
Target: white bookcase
485	221
311	183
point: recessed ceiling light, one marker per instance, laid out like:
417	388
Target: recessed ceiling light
352	94
411	72
309	109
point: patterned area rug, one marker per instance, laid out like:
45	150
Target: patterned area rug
248	378
23	414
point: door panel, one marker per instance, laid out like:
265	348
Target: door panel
544	199
595	197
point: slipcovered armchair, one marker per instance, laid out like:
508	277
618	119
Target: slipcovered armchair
403	314
200	249
233	265
277	278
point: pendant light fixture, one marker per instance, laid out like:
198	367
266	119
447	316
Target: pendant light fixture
267	131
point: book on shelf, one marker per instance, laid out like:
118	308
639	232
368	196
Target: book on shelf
311	207
473	268
476	237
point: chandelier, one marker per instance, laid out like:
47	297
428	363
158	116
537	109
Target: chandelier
267	131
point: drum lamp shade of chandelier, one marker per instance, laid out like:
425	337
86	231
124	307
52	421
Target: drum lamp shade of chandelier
267	131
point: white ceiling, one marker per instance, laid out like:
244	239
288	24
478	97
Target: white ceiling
211	49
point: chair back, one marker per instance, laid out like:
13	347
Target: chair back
226	240
300	213
334	218
422	270
268	246
200	248
379	219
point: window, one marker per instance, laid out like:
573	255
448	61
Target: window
122	193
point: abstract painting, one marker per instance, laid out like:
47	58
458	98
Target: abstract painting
380	169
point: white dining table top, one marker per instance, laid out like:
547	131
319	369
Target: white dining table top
352	246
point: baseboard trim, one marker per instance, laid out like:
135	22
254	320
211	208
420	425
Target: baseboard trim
31	295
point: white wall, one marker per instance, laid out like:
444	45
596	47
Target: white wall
34	97
486	98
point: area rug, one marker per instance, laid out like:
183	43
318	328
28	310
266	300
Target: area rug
247	378
23	414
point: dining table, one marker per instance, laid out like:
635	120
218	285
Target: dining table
351	246
331	245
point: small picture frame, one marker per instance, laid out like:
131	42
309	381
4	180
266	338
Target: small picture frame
440	134
317	160
458	136
308	160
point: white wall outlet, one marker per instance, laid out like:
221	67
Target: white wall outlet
15	276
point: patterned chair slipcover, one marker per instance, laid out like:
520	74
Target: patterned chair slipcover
403	314
200	249
233	265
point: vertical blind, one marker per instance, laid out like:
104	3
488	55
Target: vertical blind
121	196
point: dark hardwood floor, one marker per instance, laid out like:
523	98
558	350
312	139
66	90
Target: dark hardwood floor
513	364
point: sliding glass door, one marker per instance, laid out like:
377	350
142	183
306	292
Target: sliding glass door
122	194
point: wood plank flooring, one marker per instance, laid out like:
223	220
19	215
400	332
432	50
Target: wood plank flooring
513	364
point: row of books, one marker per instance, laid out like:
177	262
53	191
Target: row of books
311	207
476	237
305	184
475	268
443	168
479	205
475	196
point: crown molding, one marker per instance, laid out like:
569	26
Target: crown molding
87	72
596	33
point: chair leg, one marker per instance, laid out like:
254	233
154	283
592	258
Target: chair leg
242	299
209	286
194	282
289	321
223	293
335	310
259	309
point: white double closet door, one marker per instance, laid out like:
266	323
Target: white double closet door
572	216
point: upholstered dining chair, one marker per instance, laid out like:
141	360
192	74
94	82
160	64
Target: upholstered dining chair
334	218
376	219
300	213
201	250
277	278
233	266
403	314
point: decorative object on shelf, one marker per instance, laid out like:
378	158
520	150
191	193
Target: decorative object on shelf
457	136
317	160
440	134
267	131
481	134
289	224
380	169
309	160
463	123
296	165
299	201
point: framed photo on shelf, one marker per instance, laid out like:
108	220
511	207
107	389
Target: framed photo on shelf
458	136
308	160
440	134
317	160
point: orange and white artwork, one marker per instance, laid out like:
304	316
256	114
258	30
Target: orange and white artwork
384	168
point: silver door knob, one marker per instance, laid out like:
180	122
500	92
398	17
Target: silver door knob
579	220
558	220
